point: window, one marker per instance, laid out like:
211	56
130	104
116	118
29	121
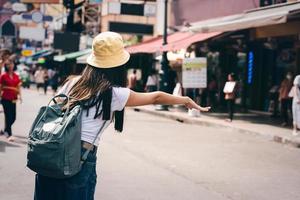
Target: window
121	27
132	9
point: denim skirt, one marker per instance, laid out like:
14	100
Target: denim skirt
79	187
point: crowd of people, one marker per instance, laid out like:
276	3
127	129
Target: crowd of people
288	98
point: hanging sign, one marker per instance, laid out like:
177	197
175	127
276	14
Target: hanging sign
37	34
17	19
95	1
37	17
194	73
27	52
41	1
19	7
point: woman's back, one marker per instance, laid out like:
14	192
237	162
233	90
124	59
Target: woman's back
90	124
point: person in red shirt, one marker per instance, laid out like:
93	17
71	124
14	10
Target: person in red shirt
10	91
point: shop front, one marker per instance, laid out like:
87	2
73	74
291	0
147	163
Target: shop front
260	47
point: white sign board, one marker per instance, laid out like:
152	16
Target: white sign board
194	73
149	10
37	34
114	8
17	19
229	87
19	7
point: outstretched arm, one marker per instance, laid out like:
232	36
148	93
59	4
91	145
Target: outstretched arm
140	99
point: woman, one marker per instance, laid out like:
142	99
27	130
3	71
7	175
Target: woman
39	76
151	84
10	84
229	90
285	100
102	90
296	105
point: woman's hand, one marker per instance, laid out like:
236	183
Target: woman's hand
191	104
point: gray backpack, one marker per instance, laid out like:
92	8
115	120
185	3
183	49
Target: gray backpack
54	143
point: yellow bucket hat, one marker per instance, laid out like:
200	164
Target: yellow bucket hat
108	51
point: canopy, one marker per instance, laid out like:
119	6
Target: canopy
265	16
39	53
176	41
33	58
186	42
61	58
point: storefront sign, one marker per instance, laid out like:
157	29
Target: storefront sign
37	34
95	1
17	19
41	1
250	67
150	10
37	16
27	52
19	7
194	73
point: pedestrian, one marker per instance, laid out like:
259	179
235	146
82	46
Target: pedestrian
152	81
10	90
229	90
296	105
54	81
285	100
39	76
103	80
46	80
4	55
132	82
212	91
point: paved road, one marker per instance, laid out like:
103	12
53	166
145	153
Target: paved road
160	159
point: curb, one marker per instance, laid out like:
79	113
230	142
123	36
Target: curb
288	140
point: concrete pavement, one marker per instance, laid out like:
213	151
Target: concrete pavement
159	159
275	133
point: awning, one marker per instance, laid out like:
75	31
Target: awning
49	53
31	59
61	58
186	42
265	16
176	41
173	57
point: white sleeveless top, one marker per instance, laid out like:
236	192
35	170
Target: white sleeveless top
90	126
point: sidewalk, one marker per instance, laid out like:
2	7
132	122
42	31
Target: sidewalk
247	123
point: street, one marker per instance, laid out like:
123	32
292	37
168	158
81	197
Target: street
160	159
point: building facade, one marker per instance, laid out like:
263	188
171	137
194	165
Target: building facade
188	11
133	19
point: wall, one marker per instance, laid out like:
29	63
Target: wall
197	10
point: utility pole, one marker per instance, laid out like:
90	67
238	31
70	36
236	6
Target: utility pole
164	73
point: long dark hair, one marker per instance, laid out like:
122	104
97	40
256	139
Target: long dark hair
94	88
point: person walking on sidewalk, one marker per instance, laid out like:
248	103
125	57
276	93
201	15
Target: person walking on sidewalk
39	76
102	90
46	80
296	105
10	90
132	82
229	90
285	100
152	81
